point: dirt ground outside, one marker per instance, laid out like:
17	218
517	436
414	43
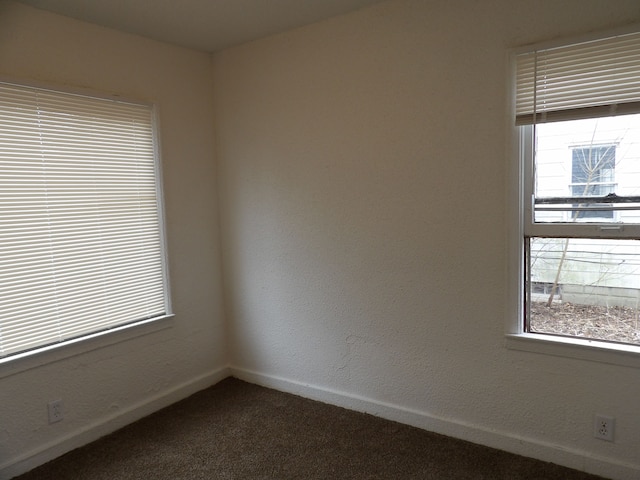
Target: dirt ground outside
617	324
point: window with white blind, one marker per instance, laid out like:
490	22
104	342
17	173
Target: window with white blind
577	108
81	237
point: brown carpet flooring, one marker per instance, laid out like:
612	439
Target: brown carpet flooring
235	430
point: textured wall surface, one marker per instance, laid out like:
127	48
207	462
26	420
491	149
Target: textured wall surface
103	386
362	180
363	183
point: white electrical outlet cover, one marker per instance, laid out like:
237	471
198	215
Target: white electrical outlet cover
55	411
604	427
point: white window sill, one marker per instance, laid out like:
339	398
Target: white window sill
60	351
591	350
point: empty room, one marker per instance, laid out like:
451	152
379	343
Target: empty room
425	211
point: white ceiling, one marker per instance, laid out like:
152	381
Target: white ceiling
208	25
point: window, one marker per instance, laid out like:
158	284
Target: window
81	243
592	175
578	113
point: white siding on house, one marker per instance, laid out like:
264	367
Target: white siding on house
557	140
590	266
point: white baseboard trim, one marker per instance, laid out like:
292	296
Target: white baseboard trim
104	426
520	445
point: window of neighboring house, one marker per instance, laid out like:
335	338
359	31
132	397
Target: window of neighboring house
81	238
578	111
592	175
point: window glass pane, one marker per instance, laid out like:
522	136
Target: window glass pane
583	287
587	158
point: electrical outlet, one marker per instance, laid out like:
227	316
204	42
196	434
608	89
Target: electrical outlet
604	427
55	411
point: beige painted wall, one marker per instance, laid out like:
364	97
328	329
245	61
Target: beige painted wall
364	174
105	387
362	181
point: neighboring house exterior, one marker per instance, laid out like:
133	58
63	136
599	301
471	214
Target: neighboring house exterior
585	158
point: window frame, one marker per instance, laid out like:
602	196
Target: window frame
95	340
520	225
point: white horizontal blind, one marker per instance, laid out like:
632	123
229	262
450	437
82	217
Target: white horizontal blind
80	236
585	80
